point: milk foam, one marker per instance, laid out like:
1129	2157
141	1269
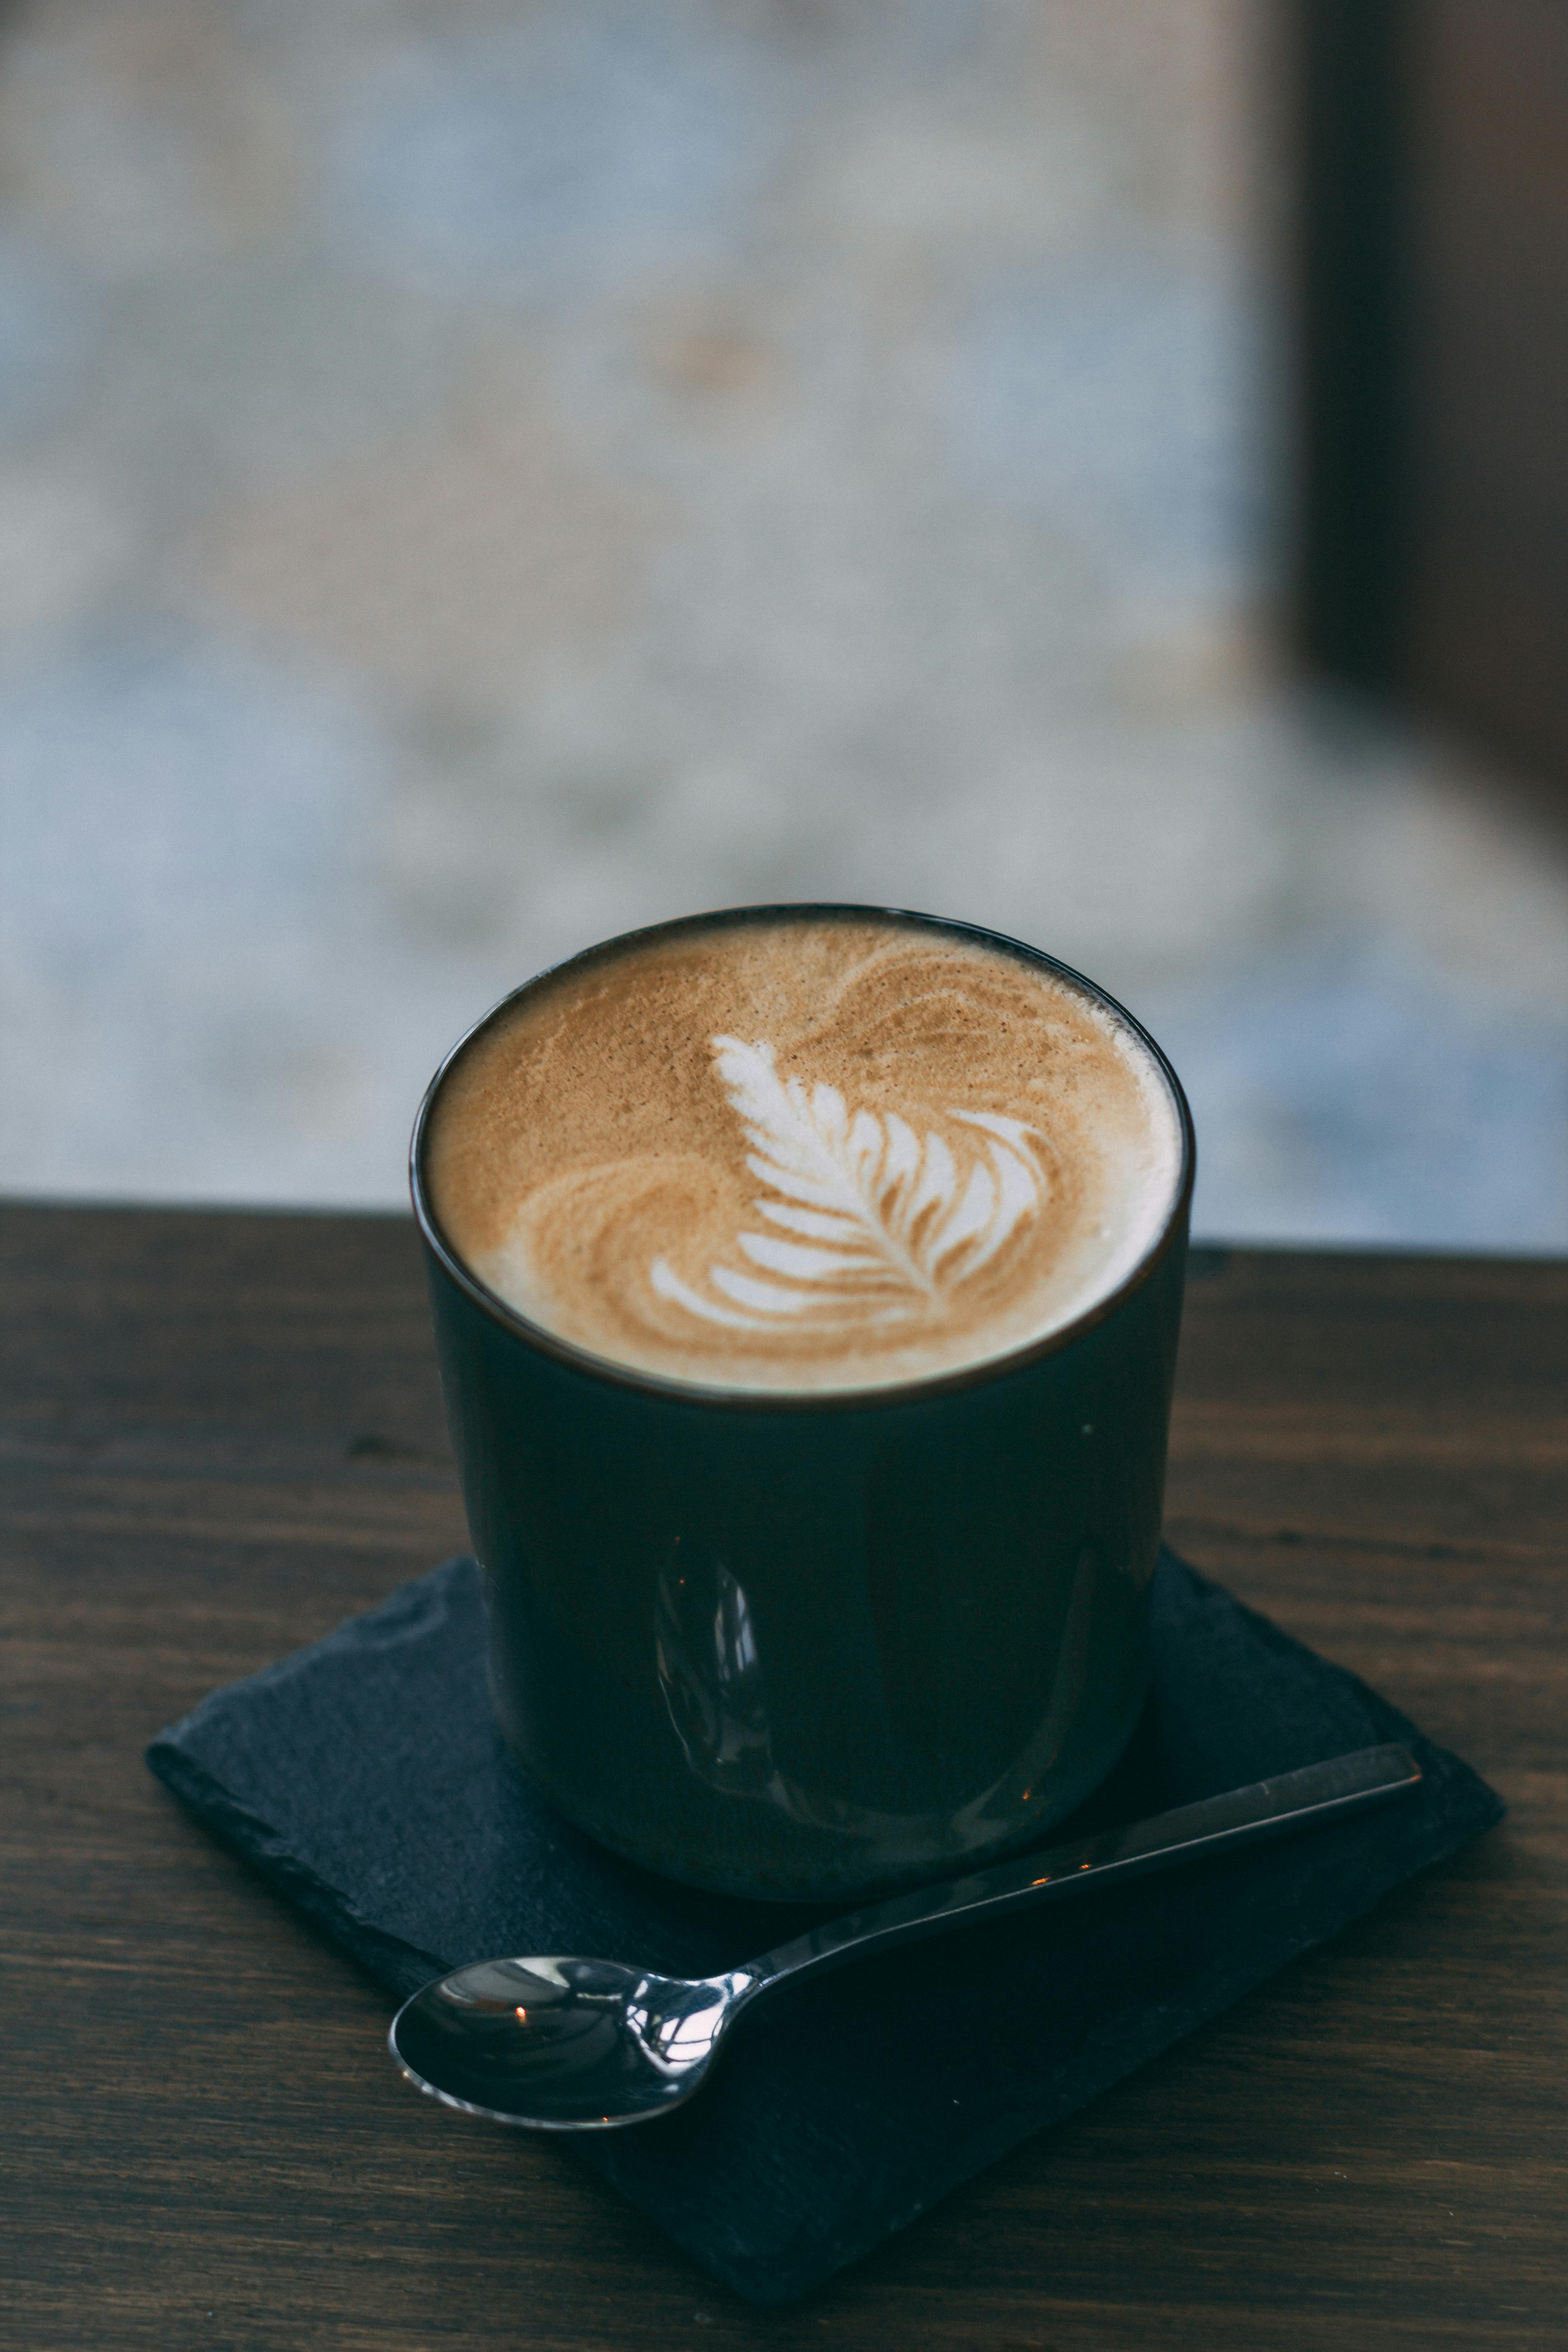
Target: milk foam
803	1153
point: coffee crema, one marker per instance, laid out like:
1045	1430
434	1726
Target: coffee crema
819	1153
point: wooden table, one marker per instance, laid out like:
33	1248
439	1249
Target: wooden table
223	1435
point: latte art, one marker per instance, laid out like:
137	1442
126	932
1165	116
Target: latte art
894	1222
810	1151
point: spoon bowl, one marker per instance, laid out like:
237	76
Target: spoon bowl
562	2045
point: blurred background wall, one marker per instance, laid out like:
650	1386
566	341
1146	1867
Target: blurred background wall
476	477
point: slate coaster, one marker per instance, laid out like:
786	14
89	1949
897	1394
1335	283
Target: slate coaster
364	1777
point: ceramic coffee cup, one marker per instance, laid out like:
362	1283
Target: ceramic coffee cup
815	1645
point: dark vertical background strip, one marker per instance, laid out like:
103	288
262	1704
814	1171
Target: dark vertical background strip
1488	644
1351	63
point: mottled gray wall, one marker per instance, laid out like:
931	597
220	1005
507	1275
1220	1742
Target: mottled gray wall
473	478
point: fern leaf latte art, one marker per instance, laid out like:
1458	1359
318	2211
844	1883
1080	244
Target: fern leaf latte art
893	1224
802	1152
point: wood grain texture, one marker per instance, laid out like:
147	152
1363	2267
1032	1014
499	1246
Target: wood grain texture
222	1436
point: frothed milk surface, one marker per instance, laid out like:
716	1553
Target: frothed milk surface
803	1153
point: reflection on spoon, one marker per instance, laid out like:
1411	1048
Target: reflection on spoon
563	2044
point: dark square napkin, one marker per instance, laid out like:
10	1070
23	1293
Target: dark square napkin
365	1778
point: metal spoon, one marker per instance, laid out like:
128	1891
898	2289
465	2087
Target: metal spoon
584	2045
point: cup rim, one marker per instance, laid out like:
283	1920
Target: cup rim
605	1370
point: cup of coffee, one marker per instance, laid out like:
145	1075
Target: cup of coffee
806	1285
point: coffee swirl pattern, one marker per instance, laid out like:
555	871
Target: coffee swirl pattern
803	1153
894	1224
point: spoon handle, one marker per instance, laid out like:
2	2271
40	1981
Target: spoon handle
1288	1801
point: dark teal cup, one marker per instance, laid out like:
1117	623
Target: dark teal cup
815	1646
